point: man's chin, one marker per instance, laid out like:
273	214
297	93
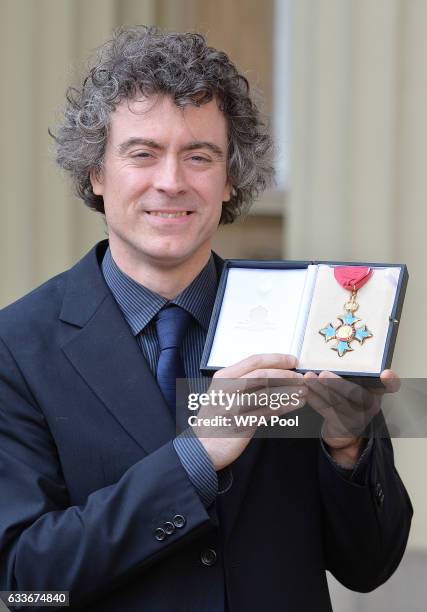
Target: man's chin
162	253
171	257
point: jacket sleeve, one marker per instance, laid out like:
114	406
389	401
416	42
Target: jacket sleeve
48	544
366	526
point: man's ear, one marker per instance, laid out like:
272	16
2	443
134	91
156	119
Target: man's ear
96	180
227	192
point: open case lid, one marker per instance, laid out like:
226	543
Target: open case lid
281	306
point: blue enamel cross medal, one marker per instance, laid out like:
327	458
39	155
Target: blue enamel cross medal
351	328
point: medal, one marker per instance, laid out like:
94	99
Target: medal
351	328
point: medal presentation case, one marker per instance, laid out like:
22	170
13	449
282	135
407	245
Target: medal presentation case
336	316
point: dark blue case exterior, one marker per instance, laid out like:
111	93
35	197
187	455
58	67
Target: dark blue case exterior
394	319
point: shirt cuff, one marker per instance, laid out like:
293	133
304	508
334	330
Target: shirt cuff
356	474
198	465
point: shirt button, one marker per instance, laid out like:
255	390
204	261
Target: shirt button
179	521
169	528
160	534
208	557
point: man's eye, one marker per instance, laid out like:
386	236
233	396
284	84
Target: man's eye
142	154
199	158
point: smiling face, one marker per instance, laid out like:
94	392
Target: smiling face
163	181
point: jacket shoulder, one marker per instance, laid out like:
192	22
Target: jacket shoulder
39	306
36	313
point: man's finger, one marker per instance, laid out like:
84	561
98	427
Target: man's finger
343	419
391	381
263	361
337	389
273	375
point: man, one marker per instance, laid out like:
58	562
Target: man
100	497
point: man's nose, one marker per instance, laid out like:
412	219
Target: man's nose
170	177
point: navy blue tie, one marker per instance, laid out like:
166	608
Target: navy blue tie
171	325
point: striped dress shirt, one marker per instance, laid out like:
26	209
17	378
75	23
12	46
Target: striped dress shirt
139	306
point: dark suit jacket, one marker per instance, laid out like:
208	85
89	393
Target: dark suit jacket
88	472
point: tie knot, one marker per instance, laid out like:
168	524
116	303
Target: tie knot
171	325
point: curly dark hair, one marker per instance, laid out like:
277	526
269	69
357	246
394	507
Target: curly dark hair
146	60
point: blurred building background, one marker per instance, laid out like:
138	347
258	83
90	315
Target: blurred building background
344	82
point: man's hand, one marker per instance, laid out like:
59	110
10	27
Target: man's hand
347	409
251	375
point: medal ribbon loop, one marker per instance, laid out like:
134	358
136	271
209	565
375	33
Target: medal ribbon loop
352	278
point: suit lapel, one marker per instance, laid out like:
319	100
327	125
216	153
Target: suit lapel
107	356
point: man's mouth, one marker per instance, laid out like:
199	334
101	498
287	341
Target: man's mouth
169	215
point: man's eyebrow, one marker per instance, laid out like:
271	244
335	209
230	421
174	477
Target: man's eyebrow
204	144
153	144
124	146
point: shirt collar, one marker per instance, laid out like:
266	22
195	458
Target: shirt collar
140	305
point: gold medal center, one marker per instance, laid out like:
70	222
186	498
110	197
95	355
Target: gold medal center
345	333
